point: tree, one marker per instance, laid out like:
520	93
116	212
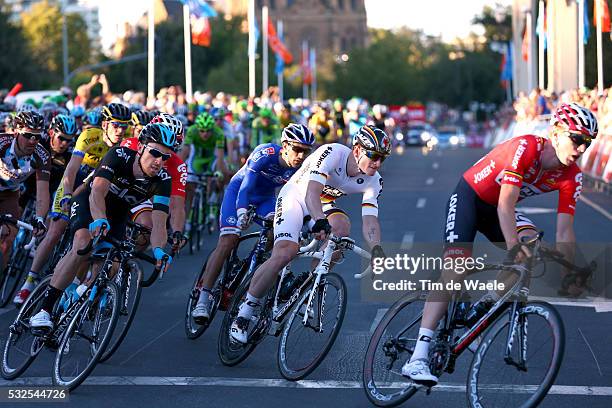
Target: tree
20	67
42	26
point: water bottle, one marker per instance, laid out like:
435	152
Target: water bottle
479	309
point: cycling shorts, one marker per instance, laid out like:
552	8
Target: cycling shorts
80	216
467	214
56	208
264	207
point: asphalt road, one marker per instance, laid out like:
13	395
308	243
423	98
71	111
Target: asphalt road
157	366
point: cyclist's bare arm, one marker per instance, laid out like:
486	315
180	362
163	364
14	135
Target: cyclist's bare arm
70	173
159	235
219	154
177	213
566	237
42	197
508	196
97	198
371	230
184	152
313	200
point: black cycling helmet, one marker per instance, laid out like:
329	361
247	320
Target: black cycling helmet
141	118
116	112
158	133
29	119
64	124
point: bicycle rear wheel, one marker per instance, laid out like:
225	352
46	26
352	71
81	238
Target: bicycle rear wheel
21	346
391	345
494	382
303	347
194	234
86	338
232	352
13	274
130	290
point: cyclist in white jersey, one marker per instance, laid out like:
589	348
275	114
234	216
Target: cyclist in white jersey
332	171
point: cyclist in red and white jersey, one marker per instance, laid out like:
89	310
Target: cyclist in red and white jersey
485	201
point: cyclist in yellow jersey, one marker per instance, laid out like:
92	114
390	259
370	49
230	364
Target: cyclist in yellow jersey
90	148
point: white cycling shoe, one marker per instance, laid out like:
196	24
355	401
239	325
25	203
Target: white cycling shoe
418	371
240	329
41	322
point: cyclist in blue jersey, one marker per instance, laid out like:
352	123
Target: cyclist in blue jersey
267	168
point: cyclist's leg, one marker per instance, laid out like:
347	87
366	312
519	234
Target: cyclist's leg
141	214
9	204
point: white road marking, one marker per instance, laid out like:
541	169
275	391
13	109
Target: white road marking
408	240
379	315
596	207
435	165
429	181
585	390
535	210
421	202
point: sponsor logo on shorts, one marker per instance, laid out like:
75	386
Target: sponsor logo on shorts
231	220
450	219
73	209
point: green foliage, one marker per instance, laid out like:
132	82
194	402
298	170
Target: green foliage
17	64
42	25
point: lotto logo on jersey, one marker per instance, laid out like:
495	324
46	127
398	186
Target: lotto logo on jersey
511	179
518	154
182	169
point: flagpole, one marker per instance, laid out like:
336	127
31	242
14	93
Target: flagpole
187	41
264	70
313	69
600	84
252	45
151	51
581	43
304	59
541	39
529	24
551	62
280	78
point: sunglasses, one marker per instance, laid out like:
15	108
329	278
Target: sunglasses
65	139
158	153
300	149
579	140
31	136
119	125
374	156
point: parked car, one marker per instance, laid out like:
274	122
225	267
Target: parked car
450	136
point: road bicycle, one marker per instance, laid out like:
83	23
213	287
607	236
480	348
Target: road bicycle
235	269
518	344
307	319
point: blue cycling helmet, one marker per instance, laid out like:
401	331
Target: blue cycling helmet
77	111
93	118
64	124
295	133
158	133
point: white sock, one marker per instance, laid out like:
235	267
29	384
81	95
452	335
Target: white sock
421	350
204	296
248	307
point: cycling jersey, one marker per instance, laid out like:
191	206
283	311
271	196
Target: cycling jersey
327	165
255	183
261	134
174	165
518	162
91	147
14	169
126	190
202	153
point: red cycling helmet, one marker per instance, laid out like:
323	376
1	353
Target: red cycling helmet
575	119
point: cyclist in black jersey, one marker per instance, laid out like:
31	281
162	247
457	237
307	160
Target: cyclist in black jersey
123	179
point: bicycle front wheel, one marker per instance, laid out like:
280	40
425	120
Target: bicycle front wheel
303	346
517	369
128	282
86	338
391	345
21	346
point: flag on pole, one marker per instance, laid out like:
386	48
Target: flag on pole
541	28
526	42
200	8
605	16
200	31
306	72
277	44
506	65
253	46
586	26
